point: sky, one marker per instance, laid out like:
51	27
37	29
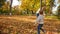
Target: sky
56	3
55	8
15	2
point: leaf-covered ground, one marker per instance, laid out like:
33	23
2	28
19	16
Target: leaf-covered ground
25	25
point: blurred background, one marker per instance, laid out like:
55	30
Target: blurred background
19	16
29	7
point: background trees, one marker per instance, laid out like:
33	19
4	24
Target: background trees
2	2
58	14
26	7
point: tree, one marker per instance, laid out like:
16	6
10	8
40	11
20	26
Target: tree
2	2
40	4
31	5
34	5
58	1
58	12
3	7
11	7
49	4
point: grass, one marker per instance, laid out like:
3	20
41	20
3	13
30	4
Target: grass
51	17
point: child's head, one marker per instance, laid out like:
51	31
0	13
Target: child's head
41	12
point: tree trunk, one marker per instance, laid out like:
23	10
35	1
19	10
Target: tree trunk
27	11
45	7
50	9
32	12
11	7
40	4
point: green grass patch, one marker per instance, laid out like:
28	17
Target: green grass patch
52	17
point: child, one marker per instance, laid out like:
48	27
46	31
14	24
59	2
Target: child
40	21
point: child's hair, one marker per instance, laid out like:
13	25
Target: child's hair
41	12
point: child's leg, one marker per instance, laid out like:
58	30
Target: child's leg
38	29
42	29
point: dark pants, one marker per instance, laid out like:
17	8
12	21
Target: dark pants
40	28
